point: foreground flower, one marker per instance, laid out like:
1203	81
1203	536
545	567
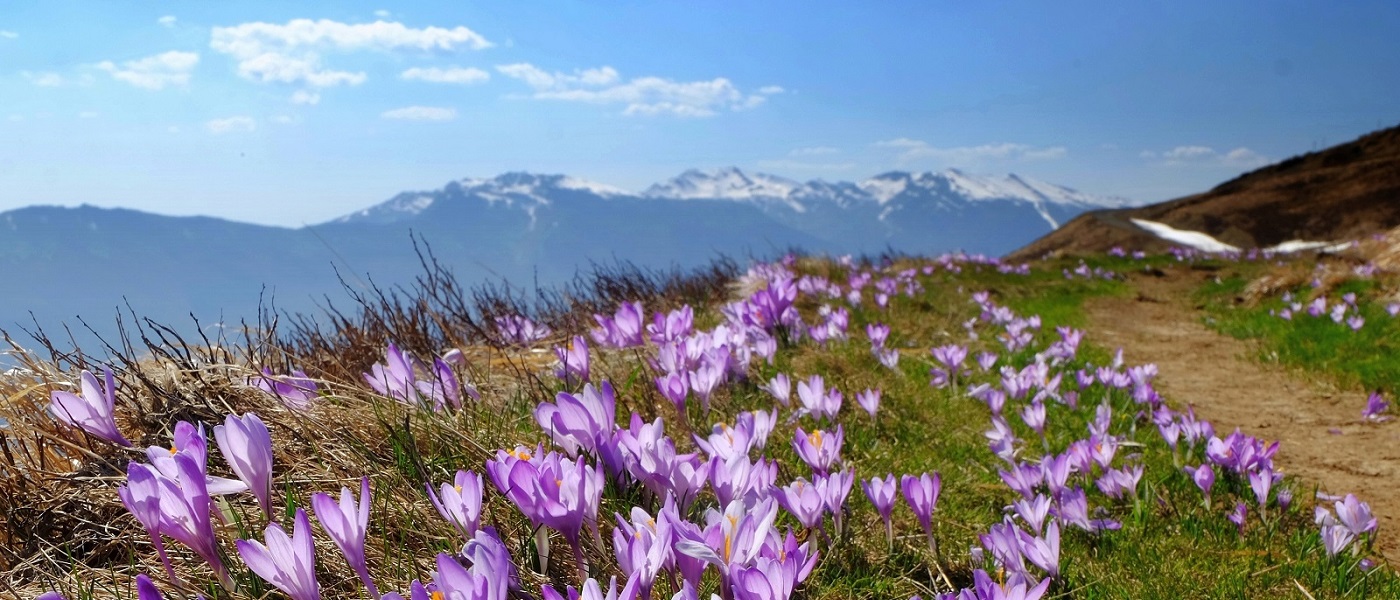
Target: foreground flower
93	411
184	508
247	446
141	496
922	495
460	503
347	523
287	563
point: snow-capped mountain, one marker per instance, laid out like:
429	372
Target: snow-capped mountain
523	227
910	212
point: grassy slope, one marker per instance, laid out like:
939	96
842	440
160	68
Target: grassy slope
1169	547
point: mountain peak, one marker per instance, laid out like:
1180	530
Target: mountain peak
729	183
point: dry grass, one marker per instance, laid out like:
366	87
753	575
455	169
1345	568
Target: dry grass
62	526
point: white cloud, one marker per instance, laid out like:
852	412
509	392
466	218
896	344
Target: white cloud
291	53
458	75
9	35
769	90
1207	156
173	129
87	114
154	72
639	96
381	13
44	79
305	97
167	21
283	120
16	118
421	113
814	151
911	150
231	125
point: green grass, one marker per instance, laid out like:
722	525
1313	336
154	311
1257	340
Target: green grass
1170	544
1368	358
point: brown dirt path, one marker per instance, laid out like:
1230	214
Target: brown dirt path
1318	426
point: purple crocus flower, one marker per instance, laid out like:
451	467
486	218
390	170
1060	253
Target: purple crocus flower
820	450
803	500
592	591
1239	515
882	494
817	400
1355	515
672	326
780	388
296	391
190	441
184	508
247	446
1033	511
674	387
289	564
643	548
579	422
347	523
459	503
1034	416
141	496
1204	476
1336	538
94	411
834	489
921	493
146	589
1262	481
1042	552
869	400
519	330
888	357
573	361
878	333
1376	406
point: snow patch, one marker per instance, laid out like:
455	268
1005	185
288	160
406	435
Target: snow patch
1292	246
1191	239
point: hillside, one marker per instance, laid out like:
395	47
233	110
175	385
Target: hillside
1342	193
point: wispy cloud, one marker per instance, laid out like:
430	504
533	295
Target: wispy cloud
167	21
88	114
305	97
814	151
421	113
154	72
1207	156
798	165
43	79
231	125
911	150
9	35
457	75
292	52
645	96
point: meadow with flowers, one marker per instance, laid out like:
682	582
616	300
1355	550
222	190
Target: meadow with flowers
802	428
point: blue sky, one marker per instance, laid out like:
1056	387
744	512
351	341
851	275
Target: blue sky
291	113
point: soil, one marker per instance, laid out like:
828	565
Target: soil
1322	439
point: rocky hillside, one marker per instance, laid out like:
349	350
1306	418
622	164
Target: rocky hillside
1342	193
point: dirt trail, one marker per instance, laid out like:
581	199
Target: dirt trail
1322	438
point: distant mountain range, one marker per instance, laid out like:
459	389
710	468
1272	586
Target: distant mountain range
527	228
1337	194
